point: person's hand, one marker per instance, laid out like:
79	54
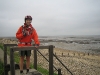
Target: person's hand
36	46
25	32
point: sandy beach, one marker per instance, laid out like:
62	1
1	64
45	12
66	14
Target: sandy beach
78	63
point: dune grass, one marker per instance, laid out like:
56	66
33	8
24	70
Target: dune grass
1	46
1	68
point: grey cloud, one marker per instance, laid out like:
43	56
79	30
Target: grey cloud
53	17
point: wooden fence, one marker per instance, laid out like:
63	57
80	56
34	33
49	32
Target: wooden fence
16	48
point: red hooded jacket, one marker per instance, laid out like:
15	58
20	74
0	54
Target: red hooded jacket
31	34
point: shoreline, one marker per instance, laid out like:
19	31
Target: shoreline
10	41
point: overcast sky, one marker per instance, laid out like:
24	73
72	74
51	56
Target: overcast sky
51	17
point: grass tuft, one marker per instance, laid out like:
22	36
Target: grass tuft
1	68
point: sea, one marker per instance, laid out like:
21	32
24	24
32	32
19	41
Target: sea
86	43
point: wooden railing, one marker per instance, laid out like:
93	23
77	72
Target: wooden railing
14	47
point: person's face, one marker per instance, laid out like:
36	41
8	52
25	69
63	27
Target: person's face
28	22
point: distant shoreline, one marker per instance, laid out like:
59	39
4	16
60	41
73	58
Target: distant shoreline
88	45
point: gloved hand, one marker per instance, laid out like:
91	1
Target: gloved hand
37	45
24	32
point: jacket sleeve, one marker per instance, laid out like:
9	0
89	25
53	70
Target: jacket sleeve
35	37
19	34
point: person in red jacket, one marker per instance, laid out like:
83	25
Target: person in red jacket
25	34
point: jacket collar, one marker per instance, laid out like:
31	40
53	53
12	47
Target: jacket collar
30	26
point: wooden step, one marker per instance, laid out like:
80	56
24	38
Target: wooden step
31	72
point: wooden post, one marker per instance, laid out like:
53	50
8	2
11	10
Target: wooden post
74	54
35	59
5	55
68	54
62	54
59	72
51	60
12	66
5	60
88	54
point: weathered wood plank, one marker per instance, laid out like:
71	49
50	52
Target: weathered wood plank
10	44
51	60
16	48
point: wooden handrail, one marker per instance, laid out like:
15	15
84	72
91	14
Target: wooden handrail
14	47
